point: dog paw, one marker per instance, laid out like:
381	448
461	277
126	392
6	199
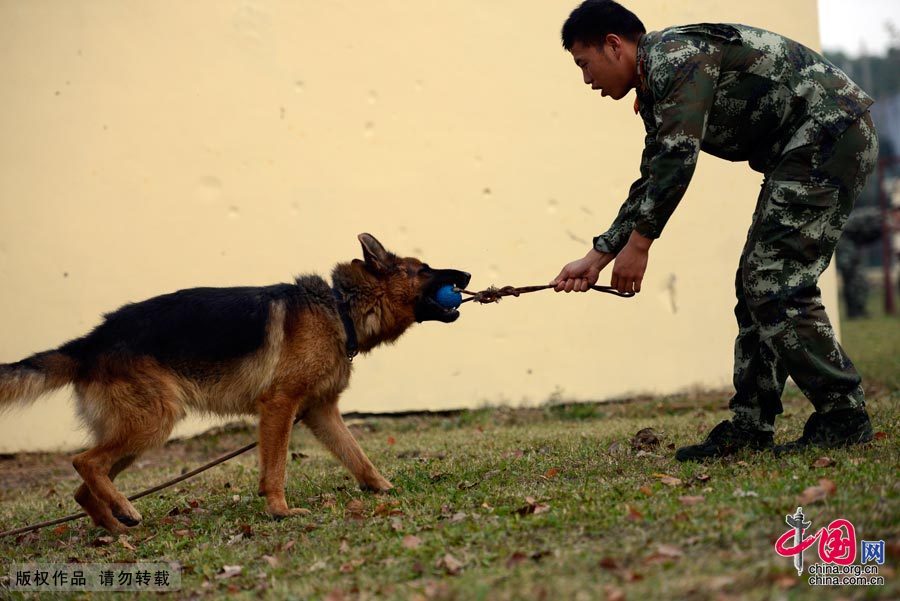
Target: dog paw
286	513
128	516
378	486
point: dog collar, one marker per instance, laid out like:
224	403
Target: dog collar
343	309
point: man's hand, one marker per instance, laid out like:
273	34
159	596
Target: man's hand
631	263
580	275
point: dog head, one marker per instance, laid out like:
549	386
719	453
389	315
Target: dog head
388	293
411	283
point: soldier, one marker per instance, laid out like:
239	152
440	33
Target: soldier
864	226
742	94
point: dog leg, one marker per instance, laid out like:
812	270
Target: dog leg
326	423
276	418
94	467
99	512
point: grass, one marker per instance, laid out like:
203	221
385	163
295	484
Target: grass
548	503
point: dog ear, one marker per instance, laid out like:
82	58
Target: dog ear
374	253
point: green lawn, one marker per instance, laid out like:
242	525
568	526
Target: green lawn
549	503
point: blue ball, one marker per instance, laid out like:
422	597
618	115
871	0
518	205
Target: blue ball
448	297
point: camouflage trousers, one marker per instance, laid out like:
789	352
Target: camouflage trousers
806	198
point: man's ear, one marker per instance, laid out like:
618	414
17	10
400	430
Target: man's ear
374	253
615	44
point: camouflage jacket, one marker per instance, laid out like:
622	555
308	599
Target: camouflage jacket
736	92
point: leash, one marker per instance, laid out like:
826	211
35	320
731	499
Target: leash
488	295
144	493
494	294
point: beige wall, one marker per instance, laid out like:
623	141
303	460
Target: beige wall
147	146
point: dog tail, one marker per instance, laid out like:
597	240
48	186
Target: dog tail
23	382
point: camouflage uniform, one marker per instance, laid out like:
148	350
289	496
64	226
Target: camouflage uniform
862	229
745	94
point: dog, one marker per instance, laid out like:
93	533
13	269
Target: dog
280	352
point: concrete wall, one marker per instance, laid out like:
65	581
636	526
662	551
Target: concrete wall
147	146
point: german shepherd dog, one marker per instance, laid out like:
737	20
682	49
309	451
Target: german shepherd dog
280	352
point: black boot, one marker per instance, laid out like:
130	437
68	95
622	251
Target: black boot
833	429
725	439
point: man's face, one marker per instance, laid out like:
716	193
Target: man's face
606	68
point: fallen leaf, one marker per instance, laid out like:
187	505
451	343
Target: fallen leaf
288	545
823	462
391	440
645	440
458	517
551	473
351	565
355	510
690	501
615	448
701	477
646	490
669	551
194	503
27	538
61	530
102	541
319	565
880	435
389	508
182	533
450	564
643	453
515	559
532	507
812	494
632	514
271	560
229	571
235	539
345	546
668	480
411	541
123	540
608	563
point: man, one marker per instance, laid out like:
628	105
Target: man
863	228
742	94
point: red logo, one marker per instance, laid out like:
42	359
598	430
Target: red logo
837	542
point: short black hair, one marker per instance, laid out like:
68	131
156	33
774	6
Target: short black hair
593	20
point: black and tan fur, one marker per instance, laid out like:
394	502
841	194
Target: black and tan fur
276	351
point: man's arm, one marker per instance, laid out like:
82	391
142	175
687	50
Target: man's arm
682	76
614	239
